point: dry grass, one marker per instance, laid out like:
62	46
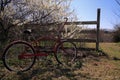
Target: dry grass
93	68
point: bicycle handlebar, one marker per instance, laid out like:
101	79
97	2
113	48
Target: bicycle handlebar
61	27
66	19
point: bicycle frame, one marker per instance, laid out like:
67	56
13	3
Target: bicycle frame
57	41
41	53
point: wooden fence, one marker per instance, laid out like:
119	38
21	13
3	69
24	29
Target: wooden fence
97	23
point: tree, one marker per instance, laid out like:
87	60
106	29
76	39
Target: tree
20	12
3	31
116	35
117	12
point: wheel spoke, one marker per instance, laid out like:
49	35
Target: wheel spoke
66	53
11	57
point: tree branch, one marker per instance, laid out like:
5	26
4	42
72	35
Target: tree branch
117	2
3	4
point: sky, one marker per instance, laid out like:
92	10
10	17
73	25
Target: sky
86	10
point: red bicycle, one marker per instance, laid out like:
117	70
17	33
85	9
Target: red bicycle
21	55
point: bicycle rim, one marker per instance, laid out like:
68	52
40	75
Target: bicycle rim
66	53
11	55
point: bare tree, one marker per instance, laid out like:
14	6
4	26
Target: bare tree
3	31
116	35
117	13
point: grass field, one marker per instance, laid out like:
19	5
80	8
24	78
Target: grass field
93	68
112	49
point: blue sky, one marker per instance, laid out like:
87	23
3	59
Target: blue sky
87	10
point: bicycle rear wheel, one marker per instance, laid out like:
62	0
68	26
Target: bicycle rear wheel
66	53
11	56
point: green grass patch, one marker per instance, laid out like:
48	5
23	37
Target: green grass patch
112	49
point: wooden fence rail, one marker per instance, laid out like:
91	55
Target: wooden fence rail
97	23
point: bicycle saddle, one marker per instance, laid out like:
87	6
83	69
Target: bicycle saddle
27	31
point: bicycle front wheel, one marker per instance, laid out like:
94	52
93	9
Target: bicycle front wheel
13	59
66	53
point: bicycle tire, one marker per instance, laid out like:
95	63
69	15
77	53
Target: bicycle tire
10	56
66	53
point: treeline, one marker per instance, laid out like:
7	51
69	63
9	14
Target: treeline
116	35
105	35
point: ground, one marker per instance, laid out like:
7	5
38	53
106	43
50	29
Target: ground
88	67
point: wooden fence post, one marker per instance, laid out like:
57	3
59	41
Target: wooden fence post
98	29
